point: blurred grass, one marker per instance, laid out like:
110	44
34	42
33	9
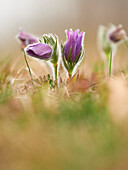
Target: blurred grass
43	130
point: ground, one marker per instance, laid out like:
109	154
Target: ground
65	128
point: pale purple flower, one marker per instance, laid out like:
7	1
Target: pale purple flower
109	38
40	51
117	34
26	38
73	45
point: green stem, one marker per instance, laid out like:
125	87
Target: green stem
108	68
55	71
110	65
28	65
107	65
126	43
70	74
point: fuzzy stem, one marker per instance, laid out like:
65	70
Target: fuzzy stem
110	65
70	74
55	71
126	42
28	65
107	65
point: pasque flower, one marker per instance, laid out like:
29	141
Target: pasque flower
72	51
118	34
46	49
26	38
40	51
109	38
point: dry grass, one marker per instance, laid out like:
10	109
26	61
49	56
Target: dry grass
70	128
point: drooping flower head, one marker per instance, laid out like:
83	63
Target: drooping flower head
109	37
40	51
72	51
118	34
47	50
26	39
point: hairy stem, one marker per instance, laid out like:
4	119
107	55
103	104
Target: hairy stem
107	65
28	65
70	74
126	42
110	65
55	72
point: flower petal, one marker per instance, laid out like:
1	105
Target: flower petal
75	34
70	47
73	44
71	32
67	33
67	49
79	43
26	39
73	48
40	50
118	34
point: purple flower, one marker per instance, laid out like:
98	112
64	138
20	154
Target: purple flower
40	51
73	45
26	39
118	34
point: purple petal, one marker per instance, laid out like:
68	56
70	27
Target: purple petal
26	39
79	43
67	33
67	49
73	48
24	35
73	44
81	33
118	34
75	35
40	51
71	32
70	46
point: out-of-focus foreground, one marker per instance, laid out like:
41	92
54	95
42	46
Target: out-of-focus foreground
69	129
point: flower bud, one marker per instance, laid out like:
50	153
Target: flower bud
72	51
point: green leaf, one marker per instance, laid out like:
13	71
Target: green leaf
63	57
44	39
48	39
54	54
40	40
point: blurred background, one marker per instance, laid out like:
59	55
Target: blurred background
54	16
